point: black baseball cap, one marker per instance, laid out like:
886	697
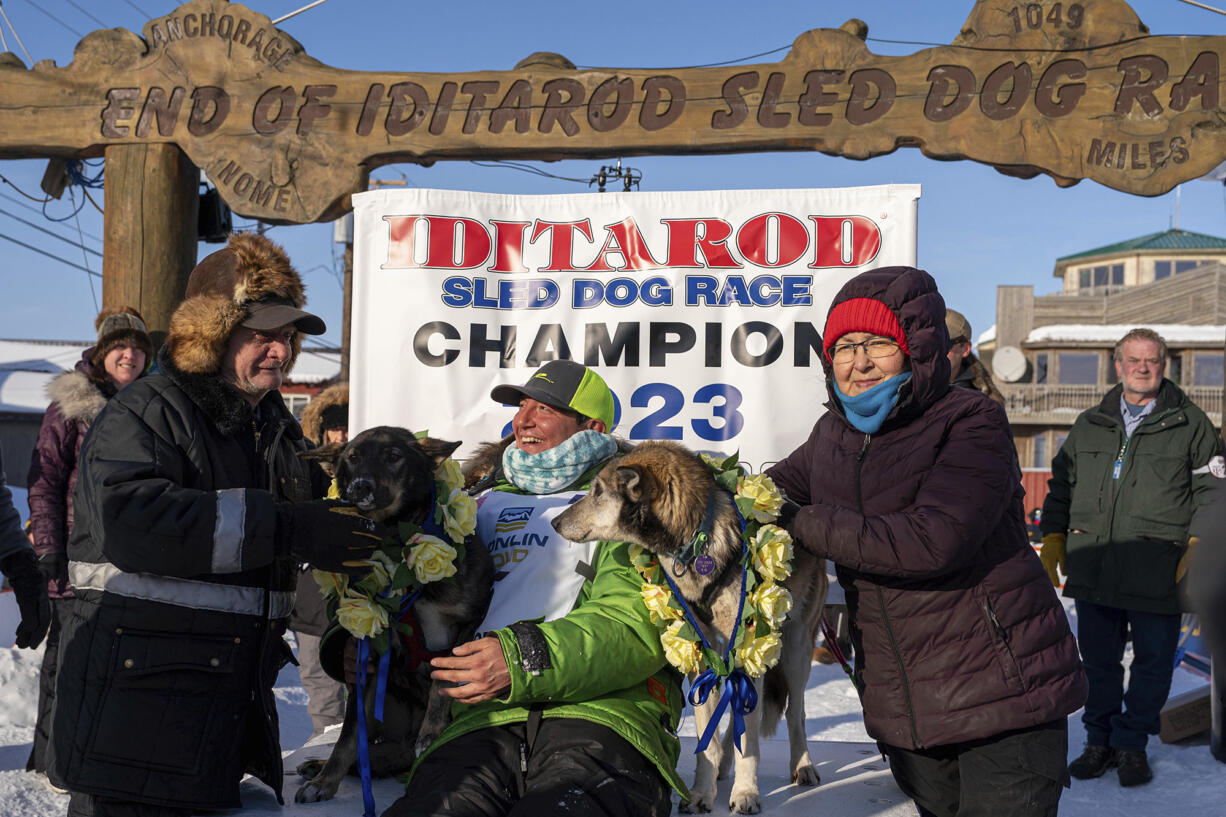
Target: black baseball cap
566	385
271	313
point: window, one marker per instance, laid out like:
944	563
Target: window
1040	367
1174	367
1060	438
1185	266
1078	368
1117	275
1207	369
296	403
1083	278
1162	269
1100	276
1112	377
1040	452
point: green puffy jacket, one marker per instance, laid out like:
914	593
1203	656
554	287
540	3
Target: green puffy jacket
607	667
1127	534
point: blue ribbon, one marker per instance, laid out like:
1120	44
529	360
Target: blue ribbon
368	794
385	660
738	691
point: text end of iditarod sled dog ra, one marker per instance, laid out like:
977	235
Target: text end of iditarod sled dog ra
407	483
680	510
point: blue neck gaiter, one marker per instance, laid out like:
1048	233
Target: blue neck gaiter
868	410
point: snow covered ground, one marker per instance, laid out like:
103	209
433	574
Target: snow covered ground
855	781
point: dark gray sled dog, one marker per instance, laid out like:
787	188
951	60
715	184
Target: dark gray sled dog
656	496
389	475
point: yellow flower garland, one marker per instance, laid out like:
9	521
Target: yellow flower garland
767	601
368	607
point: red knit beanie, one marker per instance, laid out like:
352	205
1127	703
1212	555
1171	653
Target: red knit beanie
863	315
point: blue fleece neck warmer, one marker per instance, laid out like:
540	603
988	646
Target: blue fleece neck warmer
558	467
868	410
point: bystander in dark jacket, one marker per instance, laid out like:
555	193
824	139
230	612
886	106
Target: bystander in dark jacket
1124	490
120	356
964	658
183	557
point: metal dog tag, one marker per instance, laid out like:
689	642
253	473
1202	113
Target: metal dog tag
704	564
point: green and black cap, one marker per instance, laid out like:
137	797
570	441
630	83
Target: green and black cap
565	385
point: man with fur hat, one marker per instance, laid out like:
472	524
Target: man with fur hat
119	358
192	512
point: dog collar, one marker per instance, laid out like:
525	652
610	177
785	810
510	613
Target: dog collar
695	549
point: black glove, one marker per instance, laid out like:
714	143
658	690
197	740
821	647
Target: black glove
328	534
54	568
787	514
30	588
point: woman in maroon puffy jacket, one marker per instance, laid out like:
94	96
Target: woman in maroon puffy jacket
965	663
119	357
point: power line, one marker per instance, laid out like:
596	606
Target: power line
85	257
34	209
526	168
43	11
16	36
49	255
86	13
138	8
307	7
50	233
15	187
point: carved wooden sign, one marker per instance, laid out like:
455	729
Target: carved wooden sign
1075	90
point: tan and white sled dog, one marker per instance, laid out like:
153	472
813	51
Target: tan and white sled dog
657	496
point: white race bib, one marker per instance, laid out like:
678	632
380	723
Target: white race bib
537	572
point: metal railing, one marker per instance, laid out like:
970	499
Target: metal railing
1055	403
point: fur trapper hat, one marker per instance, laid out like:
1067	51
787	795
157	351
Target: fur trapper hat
249	283
119	326
328	409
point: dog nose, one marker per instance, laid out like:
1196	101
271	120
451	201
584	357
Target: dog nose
360	489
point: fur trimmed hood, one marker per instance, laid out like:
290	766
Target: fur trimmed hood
335	397
219	291
79	397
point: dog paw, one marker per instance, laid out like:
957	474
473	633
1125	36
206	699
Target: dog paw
745	802
806	775
314	792
699	805
310	768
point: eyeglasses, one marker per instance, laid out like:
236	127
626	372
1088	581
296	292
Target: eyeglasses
876	348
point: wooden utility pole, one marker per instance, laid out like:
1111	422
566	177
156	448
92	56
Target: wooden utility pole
152	203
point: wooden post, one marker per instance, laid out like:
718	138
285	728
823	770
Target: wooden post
347	310
152	203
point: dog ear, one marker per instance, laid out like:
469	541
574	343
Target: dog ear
630	483
438	450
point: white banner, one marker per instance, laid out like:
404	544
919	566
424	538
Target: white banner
702	310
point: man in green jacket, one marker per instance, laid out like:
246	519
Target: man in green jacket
1124	488
565	701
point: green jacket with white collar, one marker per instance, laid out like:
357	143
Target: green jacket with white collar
1128	530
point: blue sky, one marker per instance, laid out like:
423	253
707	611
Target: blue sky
977	228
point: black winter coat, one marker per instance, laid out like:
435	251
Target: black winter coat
164	693
957	630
